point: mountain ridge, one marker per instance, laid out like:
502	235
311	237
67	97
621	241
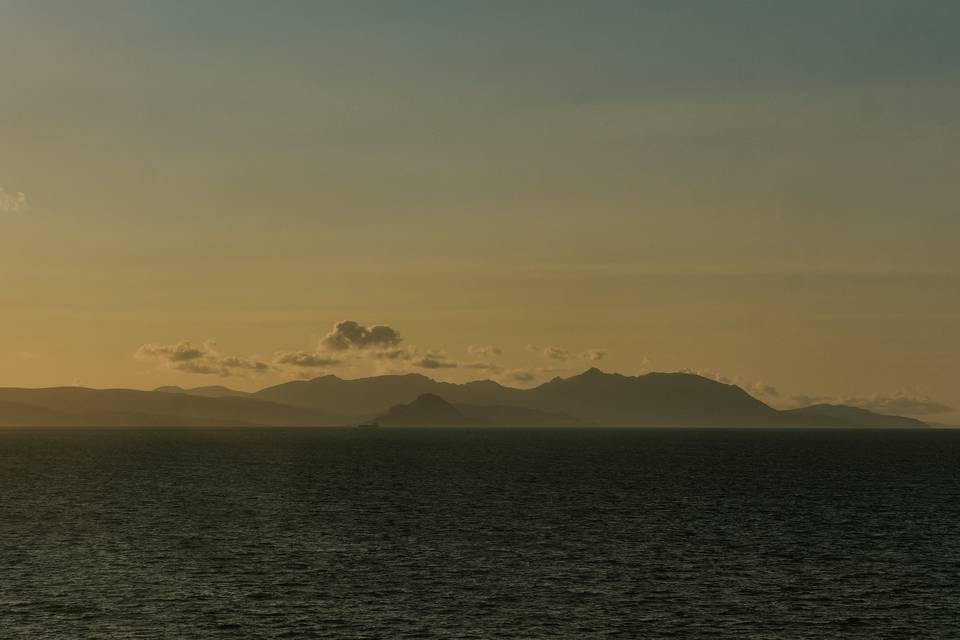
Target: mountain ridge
593	398
210	391
179	409
431	410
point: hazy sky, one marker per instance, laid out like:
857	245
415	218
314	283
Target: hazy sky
768	190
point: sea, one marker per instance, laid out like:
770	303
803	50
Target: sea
497	533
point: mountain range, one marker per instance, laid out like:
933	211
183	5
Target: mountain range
593	398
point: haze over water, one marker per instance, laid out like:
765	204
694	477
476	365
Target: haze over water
415	533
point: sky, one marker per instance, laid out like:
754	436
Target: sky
203	191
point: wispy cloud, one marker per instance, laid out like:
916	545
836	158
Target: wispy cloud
594	355
486	351
483	366
763	390
401	354
304	359
519	375
562	355
204	359
556	353
756	388
13	201
435	360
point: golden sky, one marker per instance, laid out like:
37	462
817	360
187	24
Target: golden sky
766	192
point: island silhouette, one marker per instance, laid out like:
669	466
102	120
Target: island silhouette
591	399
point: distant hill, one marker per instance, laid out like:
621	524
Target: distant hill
594	397
654	400
591	398
365	397
16	414
101	407
837	415
22	415
214	391
687	400
430	410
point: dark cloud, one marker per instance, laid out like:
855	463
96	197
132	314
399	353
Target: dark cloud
204	359
304	359
433	363
352	335
435	360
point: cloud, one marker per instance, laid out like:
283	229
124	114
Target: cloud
180	352
348	335
711	375
804	400
519	375
594	354
435	360
904	403
232	364
204	359
562	355
400	353
403	358
556	353
384	344
482	366
900	403
433	363
757	389
484	351
304	359
763	389
13	201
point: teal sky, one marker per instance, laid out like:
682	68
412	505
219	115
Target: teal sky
763	189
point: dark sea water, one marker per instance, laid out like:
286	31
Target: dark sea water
479	534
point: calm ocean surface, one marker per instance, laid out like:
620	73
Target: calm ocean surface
479	534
